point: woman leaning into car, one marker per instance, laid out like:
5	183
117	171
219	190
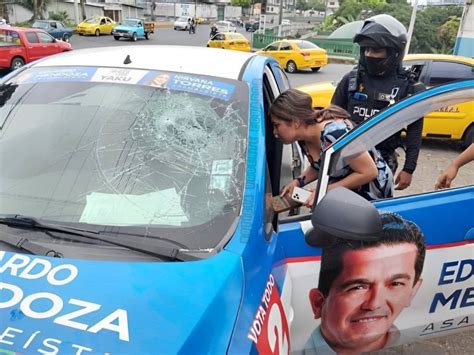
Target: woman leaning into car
295	119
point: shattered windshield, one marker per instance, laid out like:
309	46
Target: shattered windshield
124	148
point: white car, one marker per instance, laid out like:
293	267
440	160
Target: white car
225	26
182	23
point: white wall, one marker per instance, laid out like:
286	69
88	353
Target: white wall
232	11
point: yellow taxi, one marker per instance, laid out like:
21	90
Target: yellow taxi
294	54
97	25
229	40
452	122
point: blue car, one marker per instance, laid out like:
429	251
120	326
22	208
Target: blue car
137	218
55	29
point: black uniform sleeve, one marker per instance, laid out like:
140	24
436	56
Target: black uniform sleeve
413	138
340	96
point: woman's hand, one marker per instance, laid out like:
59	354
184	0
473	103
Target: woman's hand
445	179
309	202
288	189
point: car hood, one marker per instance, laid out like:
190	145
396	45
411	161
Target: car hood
123	27
119	307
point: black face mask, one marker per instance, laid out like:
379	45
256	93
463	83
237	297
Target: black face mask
381	66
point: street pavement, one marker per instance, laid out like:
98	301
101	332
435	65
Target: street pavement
435	155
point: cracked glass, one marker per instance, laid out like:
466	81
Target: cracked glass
144	150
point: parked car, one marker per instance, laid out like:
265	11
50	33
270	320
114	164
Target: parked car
230	40
454	122
54	28
252	26
136	213
19	46
97	25
182	23
225	26
295	54
133	29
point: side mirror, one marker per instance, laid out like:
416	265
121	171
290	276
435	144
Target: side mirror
343	214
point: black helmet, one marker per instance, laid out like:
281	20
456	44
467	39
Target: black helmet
382	31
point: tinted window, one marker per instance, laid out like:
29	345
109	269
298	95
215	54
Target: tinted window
307	45
45	38
32	37
445	72
272	47
219	37
285	46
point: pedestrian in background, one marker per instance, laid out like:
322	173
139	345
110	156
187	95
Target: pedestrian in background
378	81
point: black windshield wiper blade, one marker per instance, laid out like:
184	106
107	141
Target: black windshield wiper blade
25	222
27	245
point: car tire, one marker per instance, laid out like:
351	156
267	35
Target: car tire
97	32
291	67
175	29
116	38
17	63
66	37
469	137
80	34
315	70
134	37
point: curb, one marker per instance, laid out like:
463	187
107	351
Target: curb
341	60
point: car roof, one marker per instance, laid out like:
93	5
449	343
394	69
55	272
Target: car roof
23	29
445	57
225	64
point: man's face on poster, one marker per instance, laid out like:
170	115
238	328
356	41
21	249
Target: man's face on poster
374	286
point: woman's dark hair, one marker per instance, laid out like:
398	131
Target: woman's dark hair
294	105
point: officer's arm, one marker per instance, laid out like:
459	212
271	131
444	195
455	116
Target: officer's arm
340	96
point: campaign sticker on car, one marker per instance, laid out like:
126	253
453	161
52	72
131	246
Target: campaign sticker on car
57	74
202	86
116	75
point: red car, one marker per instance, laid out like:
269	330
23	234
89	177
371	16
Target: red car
19	46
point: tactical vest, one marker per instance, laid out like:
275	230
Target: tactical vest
364	101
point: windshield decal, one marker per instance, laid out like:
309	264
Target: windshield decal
161	207
116	75
198	85
57	74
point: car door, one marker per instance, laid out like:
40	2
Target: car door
218	41
109	25
272	51
48	44
34	46
439	304
450	121
285	53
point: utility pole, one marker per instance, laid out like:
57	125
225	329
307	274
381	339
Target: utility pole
280	17
76	12
412	25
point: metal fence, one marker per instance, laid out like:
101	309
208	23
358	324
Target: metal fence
334	47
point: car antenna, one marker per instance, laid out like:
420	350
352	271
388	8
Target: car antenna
127	60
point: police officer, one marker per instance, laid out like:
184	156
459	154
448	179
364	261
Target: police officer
378	81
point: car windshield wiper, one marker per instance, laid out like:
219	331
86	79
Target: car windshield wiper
25	244
24	222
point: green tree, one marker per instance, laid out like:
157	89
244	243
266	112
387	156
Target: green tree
447	34
242	3
302	5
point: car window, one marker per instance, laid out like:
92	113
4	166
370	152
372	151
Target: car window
53	25
272	47
109	21
40	24
169	154
45	38
92	20
32	37
306	45
9	38
59	24
219	37
285	46
444	72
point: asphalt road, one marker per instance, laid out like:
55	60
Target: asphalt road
435	156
